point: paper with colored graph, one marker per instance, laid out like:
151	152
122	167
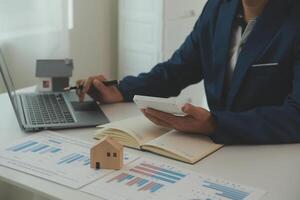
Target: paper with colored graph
147	179
54	157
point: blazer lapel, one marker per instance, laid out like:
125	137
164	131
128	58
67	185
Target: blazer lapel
265	29
221	45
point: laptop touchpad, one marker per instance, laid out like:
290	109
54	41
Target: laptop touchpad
85	106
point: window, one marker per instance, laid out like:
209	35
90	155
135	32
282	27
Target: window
31	30
115	155
19	18
108	154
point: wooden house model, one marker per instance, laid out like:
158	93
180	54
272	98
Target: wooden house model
107	154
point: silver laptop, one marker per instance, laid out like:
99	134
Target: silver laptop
40	111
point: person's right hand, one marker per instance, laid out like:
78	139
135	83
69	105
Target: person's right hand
94	87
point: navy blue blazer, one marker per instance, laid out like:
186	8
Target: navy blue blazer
262	105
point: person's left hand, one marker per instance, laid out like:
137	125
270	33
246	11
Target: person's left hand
197	120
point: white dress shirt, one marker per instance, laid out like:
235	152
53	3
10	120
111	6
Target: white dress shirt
238	39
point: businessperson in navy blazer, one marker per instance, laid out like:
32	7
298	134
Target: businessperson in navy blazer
262	105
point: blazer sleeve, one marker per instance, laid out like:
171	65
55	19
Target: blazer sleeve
168	78
264	125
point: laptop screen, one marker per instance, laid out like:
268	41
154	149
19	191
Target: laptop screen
8	83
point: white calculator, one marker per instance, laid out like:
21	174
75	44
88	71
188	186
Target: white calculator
171	106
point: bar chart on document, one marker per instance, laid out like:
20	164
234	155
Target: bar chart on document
202	187
149	179
54	157
142	179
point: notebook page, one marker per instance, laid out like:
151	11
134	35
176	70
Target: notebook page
140	128
192	147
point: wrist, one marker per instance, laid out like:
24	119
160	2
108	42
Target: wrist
211	125
119	96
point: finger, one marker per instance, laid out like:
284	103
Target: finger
171	119
178	123
97	90
79	91
101	78
79	83
99	85
181	125
190	110
87	84
157	121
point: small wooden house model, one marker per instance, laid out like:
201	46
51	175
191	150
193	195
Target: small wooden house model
107	154
53	75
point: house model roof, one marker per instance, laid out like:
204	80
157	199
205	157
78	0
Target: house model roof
54	68
110	141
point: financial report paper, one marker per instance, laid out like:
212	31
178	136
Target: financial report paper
55	157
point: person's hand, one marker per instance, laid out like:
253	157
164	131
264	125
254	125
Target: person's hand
94	87
197	120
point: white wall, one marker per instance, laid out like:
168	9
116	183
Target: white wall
94	38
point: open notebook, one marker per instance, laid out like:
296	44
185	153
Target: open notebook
140	133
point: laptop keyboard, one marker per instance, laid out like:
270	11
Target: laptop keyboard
45	109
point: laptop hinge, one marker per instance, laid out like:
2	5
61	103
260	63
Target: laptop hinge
23	111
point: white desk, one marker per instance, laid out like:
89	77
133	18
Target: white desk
272	168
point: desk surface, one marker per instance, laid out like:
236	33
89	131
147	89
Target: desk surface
271	168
